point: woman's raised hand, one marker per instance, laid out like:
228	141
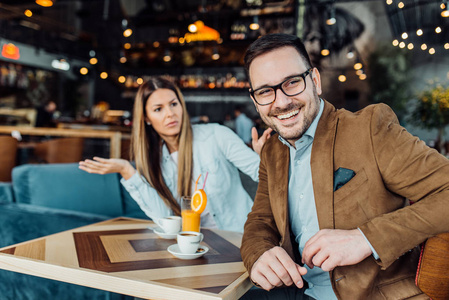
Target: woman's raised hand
102	166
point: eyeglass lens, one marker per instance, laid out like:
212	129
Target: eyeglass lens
289	87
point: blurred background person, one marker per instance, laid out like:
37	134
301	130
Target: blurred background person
45	115
243	125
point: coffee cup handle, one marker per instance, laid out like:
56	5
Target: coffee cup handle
202	236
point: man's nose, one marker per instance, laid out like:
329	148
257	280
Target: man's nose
281	98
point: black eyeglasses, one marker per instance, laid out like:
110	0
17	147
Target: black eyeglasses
292	86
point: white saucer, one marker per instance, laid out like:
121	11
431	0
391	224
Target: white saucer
162	234
174	249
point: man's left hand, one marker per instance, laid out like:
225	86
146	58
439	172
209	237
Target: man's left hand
330	248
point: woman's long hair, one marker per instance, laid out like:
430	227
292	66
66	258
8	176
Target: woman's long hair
146	145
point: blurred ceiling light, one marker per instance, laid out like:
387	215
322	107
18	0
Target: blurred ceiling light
28	13
404	35
432	51
60	64
442	6
123	59
358	66
127	46
401	4
446	46
139	80
401	45
167	56
156	44
122	79
103	75
410	46
44	3
93	61
194	27
359	72
438	29
84	71
331	20
362	76
215	55
419	32
389	2
325	52
445	9
255	24
423	47
342	78
128	32
350	54
395	43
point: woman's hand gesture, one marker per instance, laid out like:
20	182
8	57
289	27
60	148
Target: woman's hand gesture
102	166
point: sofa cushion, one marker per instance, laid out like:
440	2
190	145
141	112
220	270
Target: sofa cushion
65	186
6	195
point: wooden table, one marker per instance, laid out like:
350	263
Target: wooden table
114	136
124	256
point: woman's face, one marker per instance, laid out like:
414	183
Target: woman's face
164	112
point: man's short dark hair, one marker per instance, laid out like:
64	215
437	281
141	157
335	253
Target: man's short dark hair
274	41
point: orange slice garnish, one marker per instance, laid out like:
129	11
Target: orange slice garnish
199	201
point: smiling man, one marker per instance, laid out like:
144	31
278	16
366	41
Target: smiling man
330	219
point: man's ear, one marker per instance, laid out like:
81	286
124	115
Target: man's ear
317	80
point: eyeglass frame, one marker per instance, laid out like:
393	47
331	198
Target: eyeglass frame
279	87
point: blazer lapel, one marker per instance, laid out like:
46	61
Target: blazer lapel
322	162
282	166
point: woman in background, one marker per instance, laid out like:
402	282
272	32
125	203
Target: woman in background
170	154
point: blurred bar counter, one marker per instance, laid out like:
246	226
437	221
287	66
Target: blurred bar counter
115	134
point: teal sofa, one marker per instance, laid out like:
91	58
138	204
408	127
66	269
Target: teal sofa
45	199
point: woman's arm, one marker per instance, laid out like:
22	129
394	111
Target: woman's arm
140	190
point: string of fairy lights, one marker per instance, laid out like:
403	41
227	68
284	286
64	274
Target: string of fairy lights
404	42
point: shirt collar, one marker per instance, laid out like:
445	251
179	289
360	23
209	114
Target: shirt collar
310	132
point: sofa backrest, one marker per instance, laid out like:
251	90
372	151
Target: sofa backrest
65	186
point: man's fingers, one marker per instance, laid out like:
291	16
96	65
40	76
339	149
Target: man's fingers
254	134
262	281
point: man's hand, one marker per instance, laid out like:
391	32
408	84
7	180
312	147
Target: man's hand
275	268
330	248
108	165
258	142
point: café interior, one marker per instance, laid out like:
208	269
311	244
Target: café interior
78	64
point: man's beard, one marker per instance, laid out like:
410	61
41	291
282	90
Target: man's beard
308	119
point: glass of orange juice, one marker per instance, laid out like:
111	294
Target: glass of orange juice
190	219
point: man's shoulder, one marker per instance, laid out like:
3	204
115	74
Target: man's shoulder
366	114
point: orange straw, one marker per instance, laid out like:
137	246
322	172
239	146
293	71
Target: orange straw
205	178
196	182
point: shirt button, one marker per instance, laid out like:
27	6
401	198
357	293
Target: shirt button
301	196
298	162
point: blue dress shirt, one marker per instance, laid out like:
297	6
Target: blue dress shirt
302	210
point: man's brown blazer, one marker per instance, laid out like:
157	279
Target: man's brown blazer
390	166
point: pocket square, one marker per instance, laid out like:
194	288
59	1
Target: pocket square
341	177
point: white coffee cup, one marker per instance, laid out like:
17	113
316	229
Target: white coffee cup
170	225
189	241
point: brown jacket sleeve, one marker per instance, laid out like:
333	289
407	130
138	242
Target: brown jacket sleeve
260	232
415	171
